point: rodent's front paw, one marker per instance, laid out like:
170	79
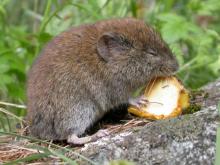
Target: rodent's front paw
139	101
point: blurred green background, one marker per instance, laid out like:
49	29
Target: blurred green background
190	27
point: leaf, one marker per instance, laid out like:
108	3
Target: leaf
134	8
120	162
213	33
44	37
177	51
4	67
174	31
170	18
5	79
174	28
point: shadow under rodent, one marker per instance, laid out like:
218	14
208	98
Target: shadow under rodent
86	71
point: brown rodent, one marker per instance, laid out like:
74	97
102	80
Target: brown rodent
87	70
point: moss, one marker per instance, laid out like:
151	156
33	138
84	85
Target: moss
198	93
206	95
196	97
192	109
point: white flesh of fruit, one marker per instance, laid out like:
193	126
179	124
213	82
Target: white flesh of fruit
163	99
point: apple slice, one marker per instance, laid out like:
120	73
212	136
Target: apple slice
167	97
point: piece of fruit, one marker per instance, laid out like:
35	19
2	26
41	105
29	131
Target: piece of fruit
167	98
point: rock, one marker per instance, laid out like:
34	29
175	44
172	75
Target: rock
188	139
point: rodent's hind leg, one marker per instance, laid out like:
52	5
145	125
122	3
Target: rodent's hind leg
139	101
74	139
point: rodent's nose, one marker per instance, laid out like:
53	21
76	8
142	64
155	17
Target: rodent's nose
175	67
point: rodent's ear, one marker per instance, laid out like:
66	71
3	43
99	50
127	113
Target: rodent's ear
111	45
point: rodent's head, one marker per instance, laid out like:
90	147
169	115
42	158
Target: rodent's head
134	50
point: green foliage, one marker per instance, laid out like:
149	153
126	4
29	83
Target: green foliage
190	27
193	37
121	162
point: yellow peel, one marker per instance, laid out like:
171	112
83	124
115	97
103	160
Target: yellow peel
167	97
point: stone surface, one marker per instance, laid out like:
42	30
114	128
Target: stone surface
188	139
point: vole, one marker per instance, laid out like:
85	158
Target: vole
86	71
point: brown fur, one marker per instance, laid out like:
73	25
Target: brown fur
87	70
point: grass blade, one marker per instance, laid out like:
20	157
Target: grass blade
51	144
13	105
63	157
10	114
28	158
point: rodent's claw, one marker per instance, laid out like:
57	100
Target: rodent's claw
143	100
139	101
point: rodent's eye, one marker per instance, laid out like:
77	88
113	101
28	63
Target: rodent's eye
152	52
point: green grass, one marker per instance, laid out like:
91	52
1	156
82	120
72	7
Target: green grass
46	151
